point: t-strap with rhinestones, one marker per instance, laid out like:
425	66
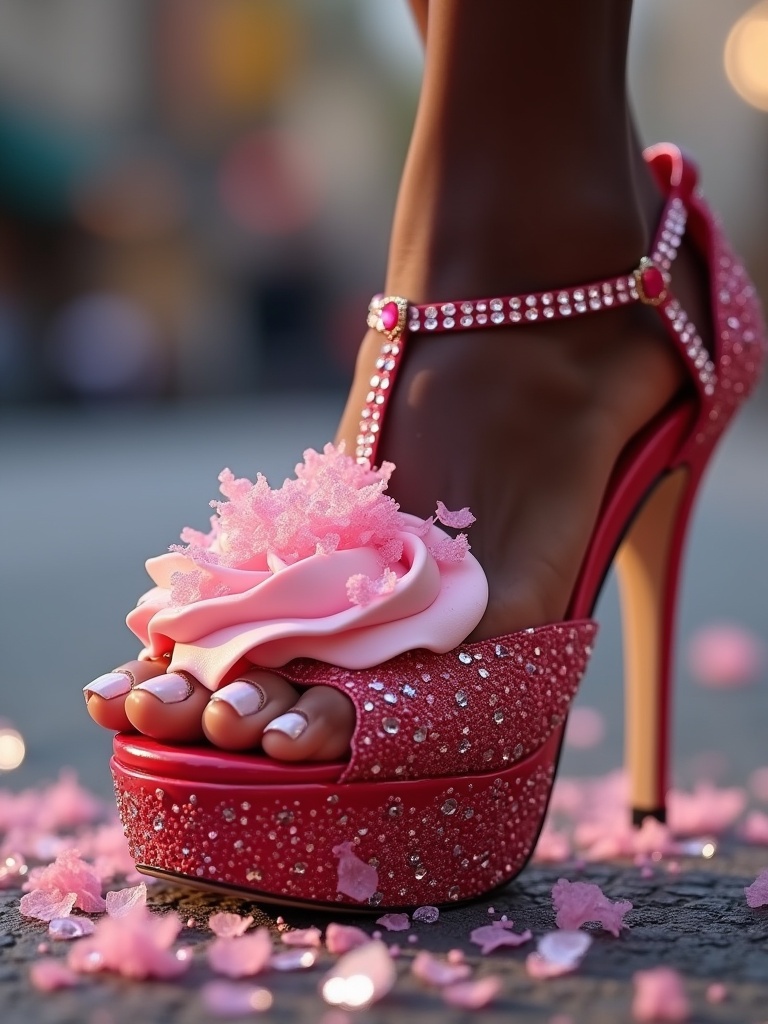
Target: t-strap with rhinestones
395	319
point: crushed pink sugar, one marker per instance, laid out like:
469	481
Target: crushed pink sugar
241	956
490	937
302	937
333	504
557	953
458	520
356	879
49	974
137	945
757	893
577	903
340	938
122	901
47	904
394	922
429	969
660	996
69	874
473	995
229	926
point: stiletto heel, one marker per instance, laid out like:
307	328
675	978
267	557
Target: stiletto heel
648	567
455	744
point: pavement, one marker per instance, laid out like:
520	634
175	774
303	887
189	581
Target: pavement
87	494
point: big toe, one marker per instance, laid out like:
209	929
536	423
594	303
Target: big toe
105	696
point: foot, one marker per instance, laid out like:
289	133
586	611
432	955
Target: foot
523	425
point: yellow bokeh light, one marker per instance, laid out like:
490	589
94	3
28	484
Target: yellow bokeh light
746	56
12	749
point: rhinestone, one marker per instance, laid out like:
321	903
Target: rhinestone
466	307
549	312
420	871
595	303
368	706
376	899
563	298
502	651
530	300
482	318
464	746
228	814
448	323
414	859
546	299
390	698
375	380
254	875
466	321
465	659
481	306
497	318
299	868
515	317
409	691
514	303
419	736
159	794
496	304
390	726
430	324
449	807
518	751
376	685
498	717
395	811
581	307
430	312
488	755
579	294
158	824
462	699
375	769
469	812
565	311
531	314
448	309
483	673
453	892
428	915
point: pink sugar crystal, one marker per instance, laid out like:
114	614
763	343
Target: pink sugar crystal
48	975
459	520
302	937
579	902
229	926
707	811
491	936
122	901
47	904
660	996
757	893
70	874
242	956
473	995
356	879
394	922
340	938
438	972
136	946
451	549
362	590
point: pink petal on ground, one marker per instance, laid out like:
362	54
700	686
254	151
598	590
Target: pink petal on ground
660	996
45	904
241	956
725	655
70	873
229	926
706	811
755	828
302	937
585	728
357	879
48	975
579	902
136	946
473	995
340	938
438	972
359	978
557	953
458	520
716	992
394	922
70	927
122	901
757	893
226	999
492	936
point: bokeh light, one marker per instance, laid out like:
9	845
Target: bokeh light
12	748
351	993
746	56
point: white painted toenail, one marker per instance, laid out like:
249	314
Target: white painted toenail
292	724
244	696
112	684
171	688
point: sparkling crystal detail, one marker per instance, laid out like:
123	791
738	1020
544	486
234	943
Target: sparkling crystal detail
462	699
464	658
449	807
390	726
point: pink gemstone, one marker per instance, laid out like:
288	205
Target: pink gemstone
390	314
653	282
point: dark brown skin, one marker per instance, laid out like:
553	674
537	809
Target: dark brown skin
524	173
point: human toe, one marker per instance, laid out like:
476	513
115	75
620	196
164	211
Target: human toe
317	727
105	696
237	714
168	706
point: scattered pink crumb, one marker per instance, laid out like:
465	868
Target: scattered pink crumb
376	935
356	879
394	950
491	910
46	904
229	926
755	828
585	728
473	995
660	996
436	972
43	947
122	901
340	938
69	873
302	937
229	999
723	656
413	938
49	974
394	922
136	946
716	992
455	956
491	936
458	520
646	871
192	923
557	953
241	956
579	902
757	893
673	867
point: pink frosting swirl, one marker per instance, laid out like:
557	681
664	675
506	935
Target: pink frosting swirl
326	567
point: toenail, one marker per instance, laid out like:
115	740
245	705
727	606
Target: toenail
171	688
244	696
292	724
111	684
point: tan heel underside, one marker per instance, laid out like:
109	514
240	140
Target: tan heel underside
643	566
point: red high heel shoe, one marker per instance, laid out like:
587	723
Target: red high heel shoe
454	754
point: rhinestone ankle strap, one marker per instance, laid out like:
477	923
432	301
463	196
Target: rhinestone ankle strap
395	318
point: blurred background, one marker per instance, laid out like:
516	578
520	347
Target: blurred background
194	210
